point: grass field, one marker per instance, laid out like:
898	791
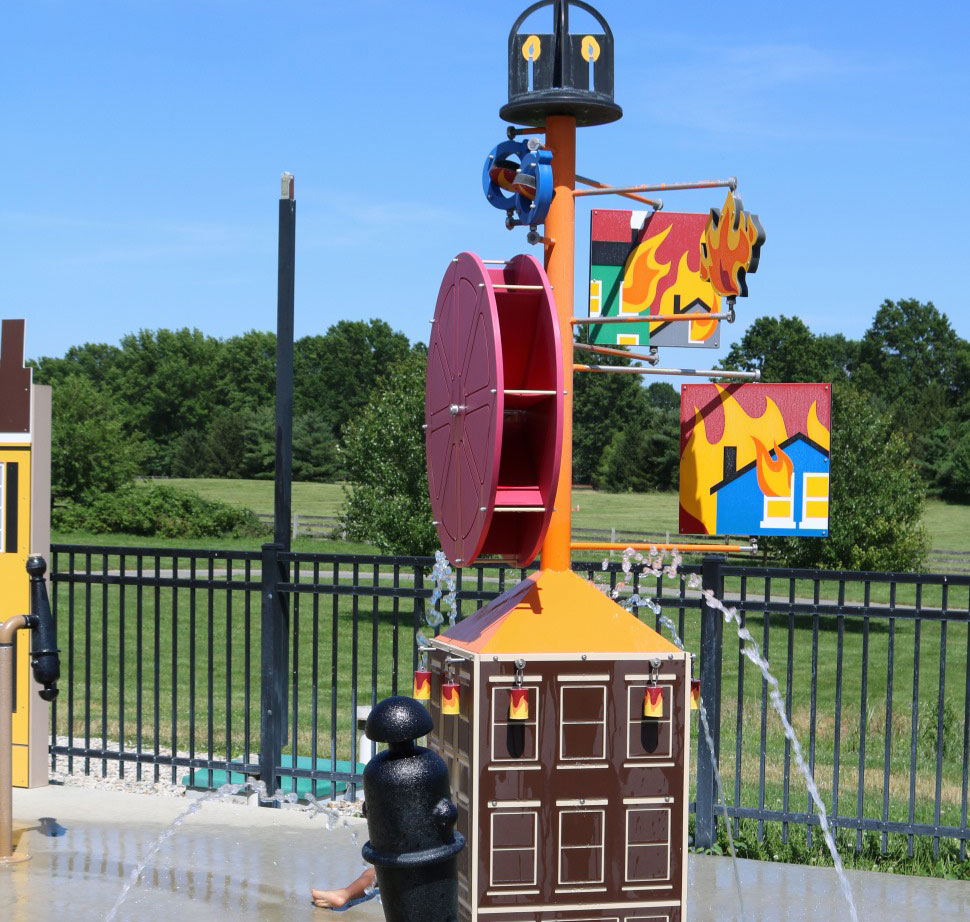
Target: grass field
948	525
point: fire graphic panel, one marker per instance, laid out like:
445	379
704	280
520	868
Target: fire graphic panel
644	264
754	459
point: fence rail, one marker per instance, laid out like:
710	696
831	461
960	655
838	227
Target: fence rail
330	526
168	659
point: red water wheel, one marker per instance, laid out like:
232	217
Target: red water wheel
494	409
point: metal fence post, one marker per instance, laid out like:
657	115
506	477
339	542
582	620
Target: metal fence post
273	671
710	666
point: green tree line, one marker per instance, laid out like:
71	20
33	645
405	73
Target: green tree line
182	404
179	403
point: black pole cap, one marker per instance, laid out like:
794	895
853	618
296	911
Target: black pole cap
44	654
398	719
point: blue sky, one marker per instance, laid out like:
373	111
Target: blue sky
145	140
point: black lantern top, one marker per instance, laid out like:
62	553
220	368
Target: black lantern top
560	73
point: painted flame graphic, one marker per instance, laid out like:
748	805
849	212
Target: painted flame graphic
731	247
519	704
422	685
643	273
653	701
774	477
450	702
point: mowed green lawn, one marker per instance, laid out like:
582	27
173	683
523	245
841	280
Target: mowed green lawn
948	525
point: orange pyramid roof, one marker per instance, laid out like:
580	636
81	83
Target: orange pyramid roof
555	611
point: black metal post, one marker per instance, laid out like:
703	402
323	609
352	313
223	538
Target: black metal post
560	14
712	624
273	657
282	507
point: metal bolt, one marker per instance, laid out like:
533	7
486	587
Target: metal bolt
483	508
583	657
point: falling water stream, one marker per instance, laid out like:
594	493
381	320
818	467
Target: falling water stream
315	807
752	651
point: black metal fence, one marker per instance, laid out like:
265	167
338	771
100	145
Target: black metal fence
206	666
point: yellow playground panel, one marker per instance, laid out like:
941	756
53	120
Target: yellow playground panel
25	410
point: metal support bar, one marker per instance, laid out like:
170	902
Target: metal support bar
514	287
512	132
274	656
605	350
284	364
7	631
729	316
712	624
687	548
673	372
730	183
656	204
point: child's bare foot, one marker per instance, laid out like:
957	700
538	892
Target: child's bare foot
330	899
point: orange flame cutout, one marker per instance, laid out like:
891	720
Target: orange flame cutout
653	701
774	477
422	685
731	247
643	274
519	704
450	701
695	694
702	329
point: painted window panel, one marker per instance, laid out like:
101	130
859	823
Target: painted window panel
582	741
514	830
513	866
815	505
514	740
581	846
646	826
648	737
595	296
817	486
514	843
582	722
581	866
583	703
648	863
580	828
648	844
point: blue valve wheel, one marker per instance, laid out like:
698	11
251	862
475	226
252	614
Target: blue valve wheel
517	179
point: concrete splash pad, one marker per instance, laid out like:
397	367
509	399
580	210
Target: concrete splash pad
245	864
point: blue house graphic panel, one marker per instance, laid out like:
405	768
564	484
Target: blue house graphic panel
742	508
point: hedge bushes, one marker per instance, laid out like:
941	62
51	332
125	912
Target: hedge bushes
158	510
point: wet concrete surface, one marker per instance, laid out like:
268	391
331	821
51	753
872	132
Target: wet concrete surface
229	861
775	892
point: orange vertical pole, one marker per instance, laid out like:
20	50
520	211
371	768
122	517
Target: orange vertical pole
560	227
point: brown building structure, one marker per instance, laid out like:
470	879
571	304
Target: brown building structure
578	811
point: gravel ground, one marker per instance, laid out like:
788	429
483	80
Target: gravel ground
122	776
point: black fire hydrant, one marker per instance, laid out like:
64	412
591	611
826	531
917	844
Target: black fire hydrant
410	817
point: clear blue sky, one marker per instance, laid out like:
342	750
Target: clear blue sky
145	140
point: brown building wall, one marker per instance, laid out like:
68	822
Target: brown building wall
579	811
